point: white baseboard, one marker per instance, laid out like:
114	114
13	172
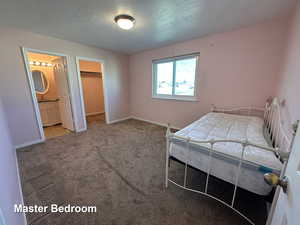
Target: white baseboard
51	124
109	122
144	120
154	122
94	113
29	143
119	120
81	130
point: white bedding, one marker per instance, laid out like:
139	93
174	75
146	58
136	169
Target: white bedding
228	126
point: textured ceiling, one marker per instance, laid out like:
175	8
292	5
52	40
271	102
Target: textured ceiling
158	22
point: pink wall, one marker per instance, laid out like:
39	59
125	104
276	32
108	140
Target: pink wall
14	88
237	68
289	85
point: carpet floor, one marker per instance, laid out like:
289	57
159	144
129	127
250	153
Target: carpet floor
120	169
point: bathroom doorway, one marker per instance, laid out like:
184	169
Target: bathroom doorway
91	80
48	76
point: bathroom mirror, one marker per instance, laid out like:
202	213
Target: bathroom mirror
40	81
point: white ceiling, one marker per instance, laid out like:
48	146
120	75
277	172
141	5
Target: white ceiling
158	22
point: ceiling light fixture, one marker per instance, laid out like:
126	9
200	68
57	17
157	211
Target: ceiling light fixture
125	22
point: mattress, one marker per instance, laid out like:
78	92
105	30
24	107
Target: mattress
224	163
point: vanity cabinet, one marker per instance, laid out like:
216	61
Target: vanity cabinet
49	113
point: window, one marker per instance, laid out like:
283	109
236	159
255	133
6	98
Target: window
175	78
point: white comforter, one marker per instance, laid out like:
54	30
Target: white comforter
227	126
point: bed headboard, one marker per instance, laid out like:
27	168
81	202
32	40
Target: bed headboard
278	135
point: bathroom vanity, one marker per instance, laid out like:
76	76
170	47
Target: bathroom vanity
49	110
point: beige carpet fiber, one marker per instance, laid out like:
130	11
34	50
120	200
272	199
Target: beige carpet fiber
120	169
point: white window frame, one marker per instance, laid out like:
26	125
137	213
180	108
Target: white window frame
173	96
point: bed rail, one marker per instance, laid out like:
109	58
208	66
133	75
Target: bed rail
279	140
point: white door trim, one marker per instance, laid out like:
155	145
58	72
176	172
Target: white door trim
78	58
32	90
33	95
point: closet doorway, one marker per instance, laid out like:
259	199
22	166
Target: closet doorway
92	88
48	79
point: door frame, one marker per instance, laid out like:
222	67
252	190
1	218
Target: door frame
25	52
279	190
102	62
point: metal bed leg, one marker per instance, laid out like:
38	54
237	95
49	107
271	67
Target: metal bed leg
185	175
167	156
187	162
238	174
208	167
167	164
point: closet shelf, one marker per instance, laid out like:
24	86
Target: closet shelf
90	73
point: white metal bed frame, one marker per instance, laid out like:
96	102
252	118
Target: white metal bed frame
280	141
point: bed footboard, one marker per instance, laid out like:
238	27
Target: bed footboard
188	141
171	136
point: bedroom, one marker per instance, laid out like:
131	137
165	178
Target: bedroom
240	60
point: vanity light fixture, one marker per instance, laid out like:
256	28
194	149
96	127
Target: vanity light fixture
37	63
124	21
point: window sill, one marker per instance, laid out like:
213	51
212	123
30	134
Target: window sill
187	99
